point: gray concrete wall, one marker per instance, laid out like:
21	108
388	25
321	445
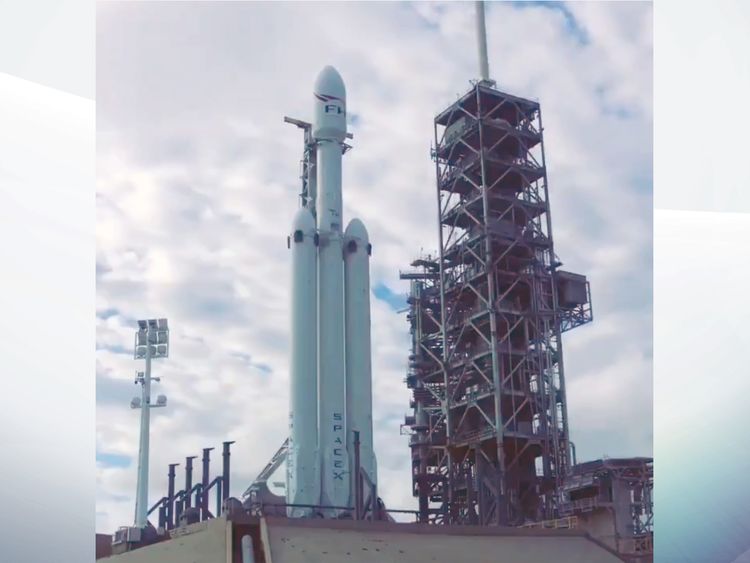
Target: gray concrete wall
296	544
205	542
600	525
325	541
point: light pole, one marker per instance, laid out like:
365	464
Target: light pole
151	342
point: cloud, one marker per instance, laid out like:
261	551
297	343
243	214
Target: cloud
197	185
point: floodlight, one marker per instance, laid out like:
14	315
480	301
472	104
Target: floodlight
151	342
155	336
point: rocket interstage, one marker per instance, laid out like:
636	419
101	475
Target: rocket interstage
331	381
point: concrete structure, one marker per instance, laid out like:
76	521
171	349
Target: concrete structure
285	540
612	500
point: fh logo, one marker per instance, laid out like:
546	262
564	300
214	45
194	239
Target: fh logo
329	106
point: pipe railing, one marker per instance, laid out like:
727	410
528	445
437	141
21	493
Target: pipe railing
367	509
172	506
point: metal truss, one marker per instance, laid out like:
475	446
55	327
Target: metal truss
621	488
489	433
634	498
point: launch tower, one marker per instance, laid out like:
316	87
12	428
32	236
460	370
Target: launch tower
489	430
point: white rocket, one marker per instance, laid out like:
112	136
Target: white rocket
331	380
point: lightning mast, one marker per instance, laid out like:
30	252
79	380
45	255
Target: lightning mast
484	65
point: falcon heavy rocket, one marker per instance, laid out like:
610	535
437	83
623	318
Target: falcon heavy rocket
330	365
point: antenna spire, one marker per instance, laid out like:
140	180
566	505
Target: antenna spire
484	66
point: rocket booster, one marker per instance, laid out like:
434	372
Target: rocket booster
303	455
358	354
331	388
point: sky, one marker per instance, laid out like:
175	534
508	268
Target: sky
197	183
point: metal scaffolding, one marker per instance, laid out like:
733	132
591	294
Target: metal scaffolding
615	498
489	430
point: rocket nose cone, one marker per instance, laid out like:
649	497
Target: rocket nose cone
329	83
356	230
303	221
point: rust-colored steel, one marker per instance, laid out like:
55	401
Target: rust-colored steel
489	433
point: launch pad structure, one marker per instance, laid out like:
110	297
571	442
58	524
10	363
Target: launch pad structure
489	431
492	462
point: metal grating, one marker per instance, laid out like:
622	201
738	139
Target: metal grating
489	432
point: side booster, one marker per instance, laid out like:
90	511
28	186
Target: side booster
331	379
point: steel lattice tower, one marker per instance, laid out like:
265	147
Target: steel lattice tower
489	433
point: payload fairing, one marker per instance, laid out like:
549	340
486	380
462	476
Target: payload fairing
331	381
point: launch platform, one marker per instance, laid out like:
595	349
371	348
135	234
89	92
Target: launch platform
287	540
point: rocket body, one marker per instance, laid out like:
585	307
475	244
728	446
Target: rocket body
358	354
330	309
329	132
303	481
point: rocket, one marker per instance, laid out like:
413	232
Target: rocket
330	363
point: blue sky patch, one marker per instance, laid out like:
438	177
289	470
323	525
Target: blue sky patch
384	293
104	314
571	24
113	460
116	349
